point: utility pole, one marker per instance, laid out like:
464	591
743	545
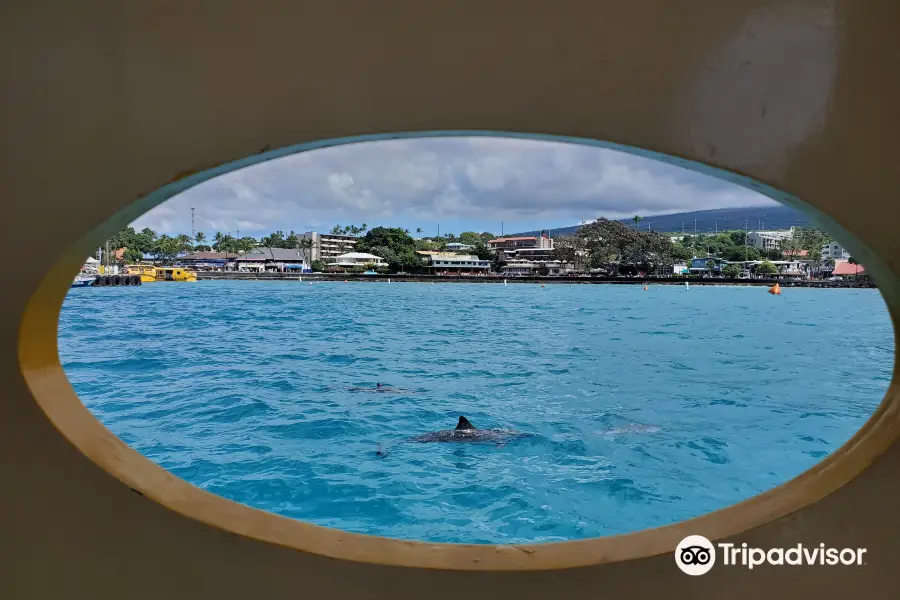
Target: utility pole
695	226
193	229
501	228
439	230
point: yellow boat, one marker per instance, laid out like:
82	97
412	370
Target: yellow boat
149	273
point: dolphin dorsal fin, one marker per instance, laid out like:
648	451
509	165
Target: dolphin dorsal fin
464	424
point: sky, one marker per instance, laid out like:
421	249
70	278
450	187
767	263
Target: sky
457	184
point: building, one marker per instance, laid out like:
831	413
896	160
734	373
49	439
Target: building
325	246
524	248
787	268
702	265
834	251
272	259
769	240
458	247
207	261
509	245
526	268
357	259
843	268
457	264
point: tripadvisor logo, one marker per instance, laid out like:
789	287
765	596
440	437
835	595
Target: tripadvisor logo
696	555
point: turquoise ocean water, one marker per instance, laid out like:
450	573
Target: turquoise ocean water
650	406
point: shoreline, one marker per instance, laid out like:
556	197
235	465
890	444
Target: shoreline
276	276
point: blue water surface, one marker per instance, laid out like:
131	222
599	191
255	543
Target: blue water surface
650	406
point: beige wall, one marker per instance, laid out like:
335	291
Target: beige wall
103	102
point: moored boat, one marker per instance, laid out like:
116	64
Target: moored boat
150	273
82	280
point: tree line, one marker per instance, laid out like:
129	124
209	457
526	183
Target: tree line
609	246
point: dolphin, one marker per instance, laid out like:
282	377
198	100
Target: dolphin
631	428
381	388
466	432
462	433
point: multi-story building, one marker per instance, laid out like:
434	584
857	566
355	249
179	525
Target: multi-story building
523	247
834	251
440	262
325	246
769	240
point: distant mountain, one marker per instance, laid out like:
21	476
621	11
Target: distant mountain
759	217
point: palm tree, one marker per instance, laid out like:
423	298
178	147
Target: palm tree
306	244
853	261
363	228
419	232
218	240
710	265
637	220
199	237
184	243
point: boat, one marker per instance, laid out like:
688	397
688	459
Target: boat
150	273
82	280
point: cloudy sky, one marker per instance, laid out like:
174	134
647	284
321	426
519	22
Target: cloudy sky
459	184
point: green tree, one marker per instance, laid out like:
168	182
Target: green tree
731	270
812	240
498	261
394	245
681	253
766	268
710	266
245	244
738	237
637	220
481	250
184	243
419	232
199	237
469	237
612	244
318	266
133	255
167	248
569	249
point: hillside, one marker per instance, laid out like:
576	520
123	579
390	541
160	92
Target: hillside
761	217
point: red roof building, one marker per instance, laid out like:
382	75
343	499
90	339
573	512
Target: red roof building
842	267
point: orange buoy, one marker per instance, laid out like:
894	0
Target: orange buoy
775	289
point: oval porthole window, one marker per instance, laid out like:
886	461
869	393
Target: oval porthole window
477	339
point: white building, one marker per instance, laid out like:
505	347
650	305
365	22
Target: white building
524	267
357	259
835	251
457	263
769	240
325	246
458	247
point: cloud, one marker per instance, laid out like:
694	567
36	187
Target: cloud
460	183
